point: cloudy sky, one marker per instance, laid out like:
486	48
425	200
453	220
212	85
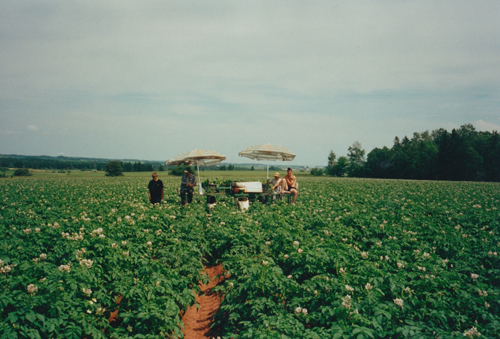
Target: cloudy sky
151	79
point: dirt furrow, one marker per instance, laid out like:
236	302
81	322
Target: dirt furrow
197	322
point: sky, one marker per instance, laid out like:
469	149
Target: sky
149	80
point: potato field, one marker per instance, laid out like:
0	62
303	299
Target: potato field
353	258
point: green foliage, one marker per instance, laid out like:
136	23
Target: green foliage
356	156
418	259
62	273
114	169
22	172
331	163
179	170
400	250
340	167
139	167
317	171
379	161
462	155
3	172
66	163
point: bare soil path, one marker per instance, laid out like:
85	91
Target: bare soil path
197	321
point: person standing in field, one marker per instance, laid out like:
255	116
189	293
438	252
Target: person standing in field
155	190
188	182
291	183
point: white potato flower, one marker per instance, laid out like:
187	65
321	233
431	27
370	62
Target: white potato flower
398	302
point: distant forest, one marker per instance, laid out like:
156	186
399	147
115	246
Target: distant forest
92	164
70	163
463	154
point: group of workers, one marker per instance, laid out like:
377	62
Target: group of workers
287	184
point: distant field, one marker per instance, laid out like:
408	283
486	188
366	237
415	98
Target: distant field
258	175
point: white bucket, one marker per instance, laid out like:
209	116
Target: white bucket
243	203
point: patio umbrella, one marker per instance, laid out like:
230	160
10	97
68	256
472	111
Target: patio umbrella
268	152
198	157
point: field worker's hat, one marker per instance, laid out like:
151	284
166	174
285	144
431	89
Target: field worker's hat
276	174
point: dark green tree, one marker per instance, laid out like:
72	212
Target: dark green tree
22	172
415	158
331	163
356	156
458	159
179	170
427	156
137	166
340	168
492	157
317	172
127	167
114	169
473	165
380	162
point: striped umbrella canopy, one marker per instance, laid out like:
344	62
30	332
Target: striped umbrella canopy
268	152
197	157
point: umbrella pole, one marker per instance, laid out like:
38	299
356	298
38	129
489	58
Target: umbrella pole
199	180
268	170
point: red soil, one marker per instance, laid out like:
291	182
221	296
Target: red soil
197	321
114	315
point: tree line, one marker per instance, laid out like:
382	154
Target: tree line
463	154
67	163
89	164
112	167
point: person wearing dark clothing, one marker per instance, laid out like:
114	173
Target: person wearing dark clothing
155	188
188	182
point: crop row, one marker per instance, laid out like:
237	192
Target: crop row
352	258
365	259
71	250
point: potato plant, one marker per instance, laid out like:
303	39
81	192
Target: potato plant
70	249
364	259
351	259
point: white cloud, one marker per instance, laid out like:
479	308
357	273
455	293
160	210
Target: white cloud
9	132
320	46
107	79
485	126
32	127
